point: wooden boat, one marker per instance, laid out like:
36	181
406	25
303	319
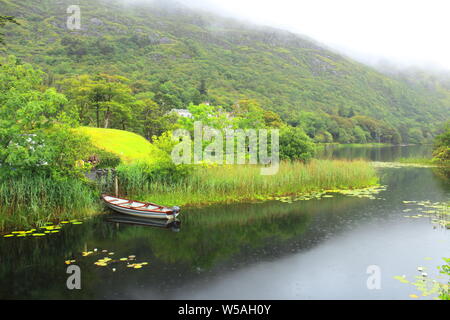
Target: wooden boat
140	209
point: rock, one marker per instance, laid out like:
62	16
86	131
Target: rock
165	40
96	21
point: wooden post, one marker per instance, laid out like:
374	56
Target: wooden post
116	185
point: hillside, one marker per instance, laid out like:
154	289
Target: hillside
295	77
129	146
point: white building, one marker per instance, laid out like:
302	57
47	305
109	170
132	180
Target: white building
182	113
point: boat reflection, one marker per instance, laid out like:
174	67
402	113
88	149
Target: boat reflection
173	225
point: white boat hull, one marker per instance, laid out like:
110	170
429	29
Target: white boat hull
164	213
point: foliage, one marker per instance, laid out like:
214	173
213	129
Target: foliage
34	129
138	179
442	145
105	158
178	57
445	270
101	99
208	115
295	144
3	21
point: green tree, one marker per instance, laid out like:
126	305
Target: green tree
441	150
105	98
248	114
295	144
153	119
4	20
35	132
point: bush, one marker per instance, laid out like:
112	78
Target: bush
442	146
106	159
295	145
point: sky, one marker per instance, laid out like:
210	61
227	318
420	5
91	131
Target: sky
405	32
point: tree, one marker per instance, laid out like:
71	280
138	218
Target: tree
75	46
441	150
273	120
360	135
248	114
153	119
208	115
4	20
35	136
295	144
202	88
105	98
168	95
78	90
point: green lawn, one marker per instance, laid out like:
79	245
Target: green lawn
130	147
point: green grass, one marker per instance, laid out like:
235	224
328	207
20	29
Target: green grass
33	201
245	183
424	161
416	160
129	146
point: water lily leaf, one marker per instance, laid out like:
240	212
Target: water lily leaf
402	279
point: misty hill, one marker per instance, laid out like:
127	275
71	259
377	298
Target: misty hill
307	84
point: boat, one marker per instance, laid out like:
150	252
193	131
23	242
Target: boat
140	209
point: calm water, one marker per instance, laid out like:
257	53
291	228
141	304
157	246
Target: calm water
317	249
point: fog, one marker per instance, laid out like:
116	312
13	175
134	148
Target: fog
403	32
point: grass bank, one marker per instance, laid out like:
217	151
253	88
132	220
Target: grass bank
424	161
33	201
128	146
245	183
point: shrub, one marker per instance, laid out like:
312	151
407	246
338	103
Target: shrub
295	144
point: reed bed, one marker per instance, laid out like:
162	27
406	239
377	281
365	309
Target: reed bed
35	200
31	201
245	182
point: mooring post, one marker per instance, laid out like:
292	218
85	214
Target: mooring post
116	185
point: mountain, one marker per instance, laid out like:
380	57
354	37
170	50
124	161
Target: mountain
303	81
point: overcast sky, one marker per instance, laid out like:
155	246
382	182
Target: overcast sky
404	31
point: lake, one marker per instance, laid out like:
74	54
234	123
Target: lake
315	249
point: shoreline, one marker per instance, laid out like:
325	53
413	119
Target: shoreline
102	210
204	187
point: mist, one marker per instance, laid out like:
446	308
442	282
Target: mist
401	33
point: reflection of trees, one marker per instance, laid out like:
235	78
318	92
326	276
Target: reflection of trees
374	153
209	237
31	265
443	175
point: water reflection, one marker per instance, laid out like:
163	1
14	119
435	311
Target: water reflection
385	153
117	219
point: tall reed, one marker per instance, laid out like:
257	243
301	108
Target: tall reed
245	182
34	200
